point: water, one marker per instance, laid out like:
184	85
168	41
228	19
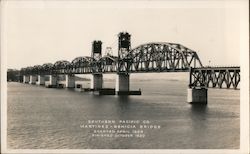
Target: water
42	118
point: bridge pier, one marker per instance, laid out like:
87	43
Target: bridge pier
33	79
122	82
26	79
41	80
122	85
52	81
197	96
69	81
96	82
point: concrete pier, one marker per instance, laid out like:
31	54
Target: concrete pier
41	80
96	81
52	81
197	95
33	79
122	85
26	79
69	81
122	82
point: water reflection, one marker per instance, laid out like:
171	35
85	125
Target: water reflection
199	111
199	124
123	99
123	106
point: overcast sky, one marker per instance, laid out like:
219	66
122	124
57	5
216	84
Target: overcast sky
43	31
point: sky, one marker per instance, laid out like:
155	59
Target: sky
38	32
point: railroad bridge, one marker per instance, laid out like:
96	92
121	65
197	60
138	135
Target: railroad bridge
146	58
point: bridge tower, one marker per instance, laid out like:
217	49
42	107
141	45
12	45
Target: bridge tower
96	50
97	77
122	78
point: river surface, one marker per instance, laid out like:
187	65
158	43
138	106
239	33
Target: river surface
42	118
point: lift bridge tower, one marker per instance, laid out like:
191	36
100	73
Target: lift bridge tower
124	62
124	46
96	50
97	76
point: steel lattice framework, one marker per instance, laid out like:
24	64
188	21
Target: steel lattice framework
62	67
47	68
215	77
158	57
108	63
81	65
151	57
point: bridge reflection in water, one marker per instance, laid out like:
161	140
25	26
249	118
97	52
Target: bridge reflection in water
146	58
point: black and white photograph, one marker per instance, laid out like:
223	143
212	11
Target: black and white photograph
125	76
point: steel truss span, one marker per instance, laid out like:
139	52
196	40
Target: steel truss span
215	77
150	57
158	57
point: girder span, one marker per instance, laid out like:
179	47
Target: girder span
158	57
